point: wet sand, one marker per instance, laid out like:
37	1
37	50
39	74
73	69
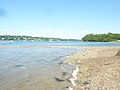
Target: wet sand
35	82
99	68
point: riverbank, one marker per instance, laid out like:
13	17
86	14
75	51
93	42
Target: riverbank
99	68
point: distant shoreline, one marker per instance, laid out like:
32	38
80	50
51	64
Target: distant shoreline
80	47
31	38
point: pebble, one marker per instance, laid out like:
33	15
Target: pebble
87	82
78	61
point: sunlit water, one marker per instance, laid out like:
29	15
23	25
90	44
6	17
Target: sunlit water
58	43
36	68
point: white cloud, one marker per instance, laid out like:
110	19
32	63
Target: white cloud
78	34
71	34
6	32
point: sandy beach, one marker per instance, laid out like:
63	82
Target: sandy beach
99	68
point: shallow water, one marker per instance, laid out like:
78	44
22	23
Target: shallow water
33	68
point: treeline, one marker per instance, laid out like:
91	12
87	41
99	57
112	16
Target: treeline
9	37
101	37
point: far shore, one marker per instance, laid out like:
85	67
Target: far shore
79	47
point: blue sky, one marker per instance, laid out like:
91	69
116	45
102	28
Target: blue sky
59	18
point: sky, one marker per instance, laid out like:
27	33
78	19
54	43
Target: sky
59	18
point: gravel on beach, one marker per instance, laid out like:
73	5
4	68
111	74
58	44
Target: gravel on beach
99	68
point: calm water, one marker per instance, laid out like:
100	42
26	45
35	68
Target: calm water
46	43
36	68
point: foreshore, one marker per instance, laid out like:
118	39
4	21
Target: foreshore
99	68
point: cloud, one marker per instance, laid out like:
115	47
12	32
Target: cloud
6	32
78	34
71	34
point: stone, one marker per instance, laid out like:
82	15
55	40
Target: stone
65	73
65	76
60	79
60	63
118	53
87	82
78	81
78	61
18	65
